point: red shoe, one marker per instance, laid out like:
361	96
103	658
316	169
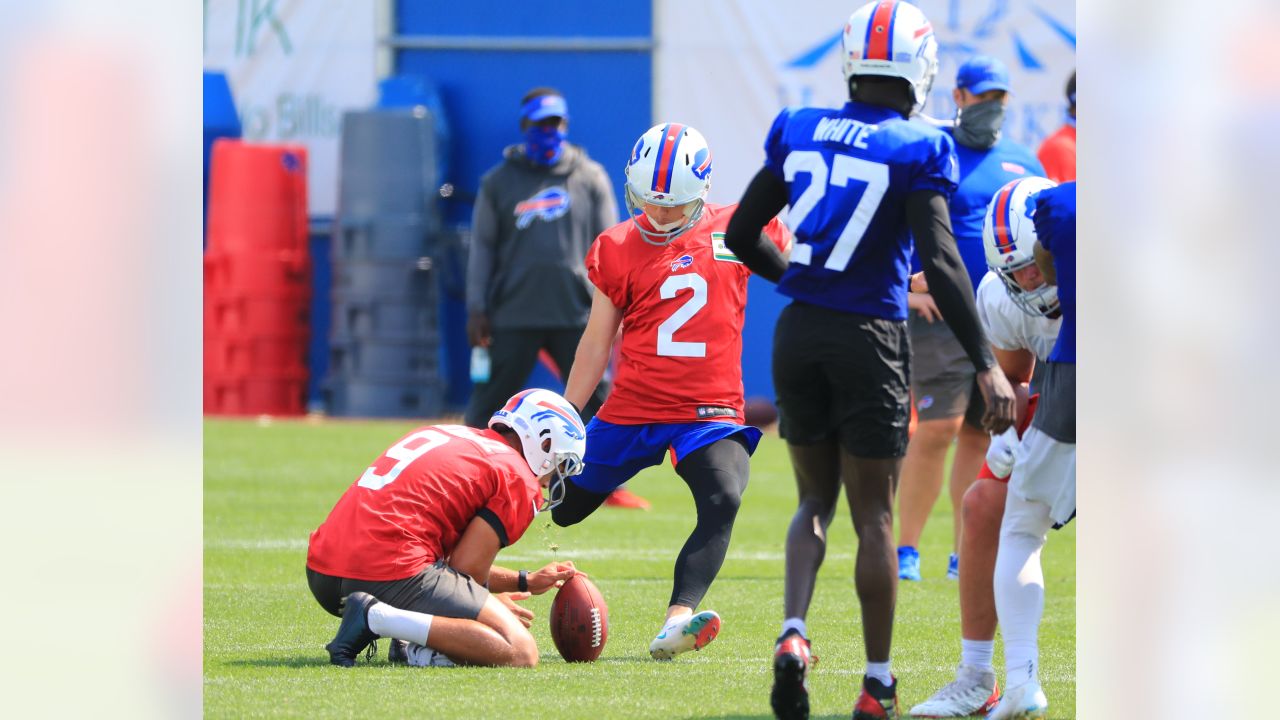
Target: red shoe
791	660
876	702
624	498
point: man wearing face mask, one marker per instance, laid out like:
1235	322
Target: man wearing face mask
947	403
536	215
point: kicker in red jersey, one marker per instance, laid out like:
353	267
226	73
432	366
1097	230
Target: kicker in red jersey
683	306
411	505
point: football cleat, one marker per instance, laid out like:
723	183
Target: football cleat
423	656
973	692
953	567
876	702
354	634
685	633
791	661
398	653
1025	702
624	498
908	564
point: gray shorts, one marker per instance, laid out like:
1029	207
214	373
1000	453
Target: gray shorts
1056	414
943	383
437	590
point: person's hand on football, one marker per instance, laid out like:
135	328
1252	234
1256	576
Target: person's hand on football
551	575
523	614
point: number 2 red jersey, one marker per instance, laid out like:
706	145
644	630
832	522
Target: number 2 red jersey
410	506
682	310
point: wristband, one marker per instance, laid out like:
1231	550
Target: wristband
522	583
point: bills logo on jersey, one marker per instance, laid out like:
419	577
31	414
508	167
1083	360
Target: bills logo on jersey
547	205
684	261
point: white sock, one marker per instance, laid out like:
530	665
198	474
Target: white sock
977	653
1019	586
676	618
400	624
880	671
797	624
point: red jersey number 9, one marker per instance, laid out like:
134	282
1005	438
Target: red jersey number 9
404	452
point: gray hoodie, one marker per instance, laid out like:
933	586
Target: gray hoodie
531	230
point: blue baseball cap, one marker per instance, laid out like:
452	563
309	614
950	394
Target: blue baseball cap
545	106
981	73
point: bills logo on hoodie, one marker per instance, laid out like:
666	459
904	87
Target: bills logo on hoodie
547	205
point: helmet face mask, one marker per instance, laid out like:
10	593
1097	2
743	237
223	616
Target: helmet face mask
1008	241
891	38
552	437
670	166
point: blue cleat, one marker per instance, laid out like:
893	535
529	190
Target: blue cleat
953	567
908	564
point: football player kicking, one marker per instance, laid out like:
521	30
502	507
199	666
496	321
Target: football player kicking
678	294
407	553
1042	488
861	180
1021	316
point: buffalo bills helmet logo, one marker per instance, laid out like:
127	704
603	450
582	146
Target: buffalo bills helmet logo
547	205
635	154
702	164
683	261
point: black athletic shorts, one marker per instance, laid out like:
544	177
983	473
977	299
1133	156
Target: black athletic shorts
437	590
844	376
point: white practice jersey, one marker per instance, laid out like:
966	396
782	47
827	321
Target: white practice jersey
1008	327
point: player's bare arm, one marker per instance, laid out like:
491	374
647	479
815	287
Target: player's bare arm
476	550
1044	261
1016	364
593	350
949	284
549	576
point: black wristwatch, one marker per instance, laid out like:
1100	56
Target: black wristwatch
522	584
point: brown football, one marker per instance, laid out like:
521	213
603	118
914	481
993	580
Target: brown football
760	412
579	620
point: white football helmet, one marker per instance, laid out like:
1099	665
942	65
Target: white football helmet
892	38
551	434
1009	238
670	165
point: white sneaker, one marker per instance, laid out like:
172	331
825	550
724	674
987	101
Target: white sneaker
685	633
423	656
1025	702
973	692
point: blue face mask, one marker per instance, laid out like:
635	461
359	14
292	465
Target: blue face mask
544	145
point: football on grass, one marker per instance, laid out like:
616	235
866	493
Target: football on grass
579	620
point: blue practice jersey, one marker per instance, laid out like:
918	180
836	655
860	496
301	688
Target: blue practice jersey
1056	229
982	173
848	174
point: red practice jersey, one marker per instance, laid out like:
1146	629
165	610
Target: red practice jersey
1058	154
410	506
682	311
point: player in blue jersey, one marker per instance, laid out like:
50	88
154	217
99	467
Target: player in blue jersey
948	404
1042	489
861	180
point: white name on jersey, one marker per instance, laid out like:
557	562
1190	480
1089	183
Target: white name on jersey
843	130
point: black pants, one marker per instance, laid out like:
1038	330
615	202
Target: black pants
512	355
717	476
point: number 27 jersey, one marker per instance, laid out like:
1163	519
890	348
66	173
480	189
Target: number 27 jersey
848	173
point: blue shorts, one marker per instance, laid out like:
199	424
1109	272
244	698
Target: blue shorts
615	453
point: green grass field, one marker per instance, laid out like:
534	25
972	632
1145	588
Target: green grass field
268	485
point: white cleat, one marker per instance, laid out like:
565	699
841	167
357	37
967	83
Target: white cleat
973	692
685	633
423	656
1025	702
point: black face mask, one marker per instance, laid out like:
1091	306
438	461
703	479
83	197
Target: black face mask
978	126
